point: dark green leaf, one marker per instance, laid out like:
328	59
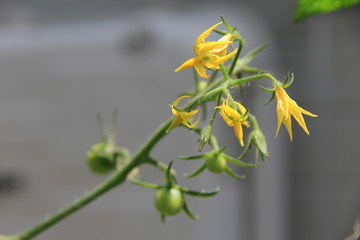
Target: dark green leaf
307	8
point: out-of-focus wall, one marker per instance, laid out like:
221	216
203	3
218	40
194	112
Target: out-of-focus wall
62	62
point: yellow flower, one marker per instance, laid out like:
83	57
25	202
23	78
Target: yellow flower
209	54
235	119
182	117
285	108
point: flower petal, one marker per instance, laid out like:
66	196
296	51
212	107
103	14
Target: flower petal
189	125
300	119
201	70
201	39
189	63
213	47
239	132
223	59
175	122
280	117
287	123
222	51
176	102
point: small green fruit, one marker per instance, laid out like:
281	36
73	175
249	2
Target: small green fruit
169	201
98	160
216	163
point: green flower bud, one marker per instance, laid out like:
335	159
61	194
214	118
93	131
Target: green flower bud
205	137
99	160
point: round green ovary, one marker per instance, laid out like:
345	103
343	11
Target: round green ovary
98	161
216	164
169	201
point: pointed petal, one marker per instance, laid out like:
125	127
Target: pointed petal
175	122
189	125
213	47
226	116
222	51
187	115
239	132
294	105
300	119
223	59
202	36
287	123
174	111
280	117
226	37
176	102
241	107
189	63
201	70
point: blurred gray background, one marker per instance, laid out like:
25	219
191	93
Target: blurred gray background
61	62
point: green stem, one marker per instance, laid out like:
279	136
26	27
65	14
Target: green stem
216	110
117	178
235	82
253	121
225	74
231	69
113	181
252	78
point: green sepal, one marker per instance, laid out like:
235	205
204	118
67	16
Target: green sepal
271	98
162	218
192	157
168	177
245	114
246	149
231	173
222	150
200	194
143	184
188	212
228	27
188	93
197	172
220	32
267	89
288	80
239	162
258	138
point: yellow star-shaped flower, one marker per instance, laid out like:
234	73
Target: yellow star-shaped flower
182	117
209	54
285	108
235	119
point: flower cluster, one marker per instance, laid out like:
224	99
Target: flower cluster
212	55
170	198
